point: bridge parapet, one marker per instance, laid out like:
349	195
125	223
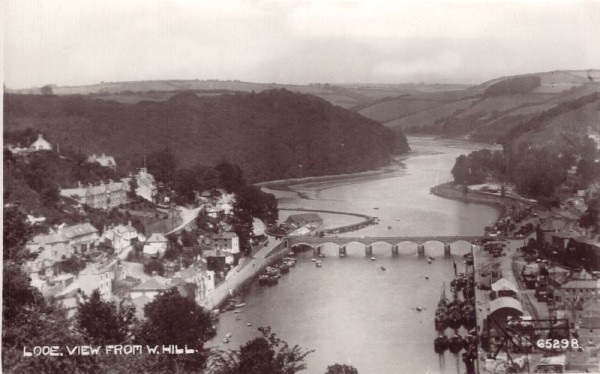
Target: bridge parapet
367	240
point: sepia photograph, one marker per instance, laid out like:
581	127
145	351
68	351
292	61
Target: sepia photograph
296	186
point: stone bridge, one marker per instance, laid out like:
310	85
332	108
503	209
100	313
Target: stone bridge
393	241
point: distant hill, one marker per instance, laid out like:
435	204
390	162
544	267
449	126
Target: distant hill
487	112
273	134
344	95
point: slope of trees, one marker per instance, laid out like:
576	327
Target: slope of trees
271	135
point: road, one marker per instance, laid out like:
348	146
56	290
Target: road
240	274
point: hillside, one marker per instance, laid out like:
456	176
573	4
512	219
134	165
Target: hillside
487	112
274	134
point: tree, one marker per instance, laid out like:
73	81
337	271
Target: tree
460	171
258	204
47	89
174	319
133	186
185	182
102	323
154	266
231	177
163	164
16	233
27	318
266	354
341	369
207	177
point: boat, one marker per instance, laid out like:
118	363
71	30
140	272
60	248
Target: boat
440	344
248	324
373	258
426	277
284	268
455	319
225	341
313	259
240	305
441	322
376	208
342	255
273	280
383	268
321	255
431	258
318	264
456	343
228	335
429	261
419	309
237	318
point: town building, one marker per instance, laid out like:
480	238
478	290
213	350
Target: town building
226	241
122	237
583	252
146	184
149	289
40	144
574	293
303	219
204	280
156	245
103	160
214	211
64	242
98	277
226	202
103	196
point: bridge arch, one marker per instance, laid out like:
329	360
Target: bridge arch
381	248
434	248
407	247
329	248
460	247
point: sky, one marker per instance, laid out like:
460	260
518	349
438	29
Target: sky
74	42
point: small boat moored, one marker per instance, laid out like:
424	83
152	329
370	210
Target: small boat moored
440	344
373	258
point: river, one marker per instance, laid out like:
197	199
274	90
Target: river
351	310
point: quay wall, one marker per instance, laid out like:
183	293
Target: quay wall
251	270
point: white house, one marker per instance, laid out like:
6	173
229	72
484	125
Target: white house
96	277
203	279
40	144
226	241
150	289
146	184
102	196
122	236
53	246
82	236
156	245
226	202
104	160
63	243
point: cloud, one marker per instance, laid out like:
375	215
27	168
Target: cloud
70	42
